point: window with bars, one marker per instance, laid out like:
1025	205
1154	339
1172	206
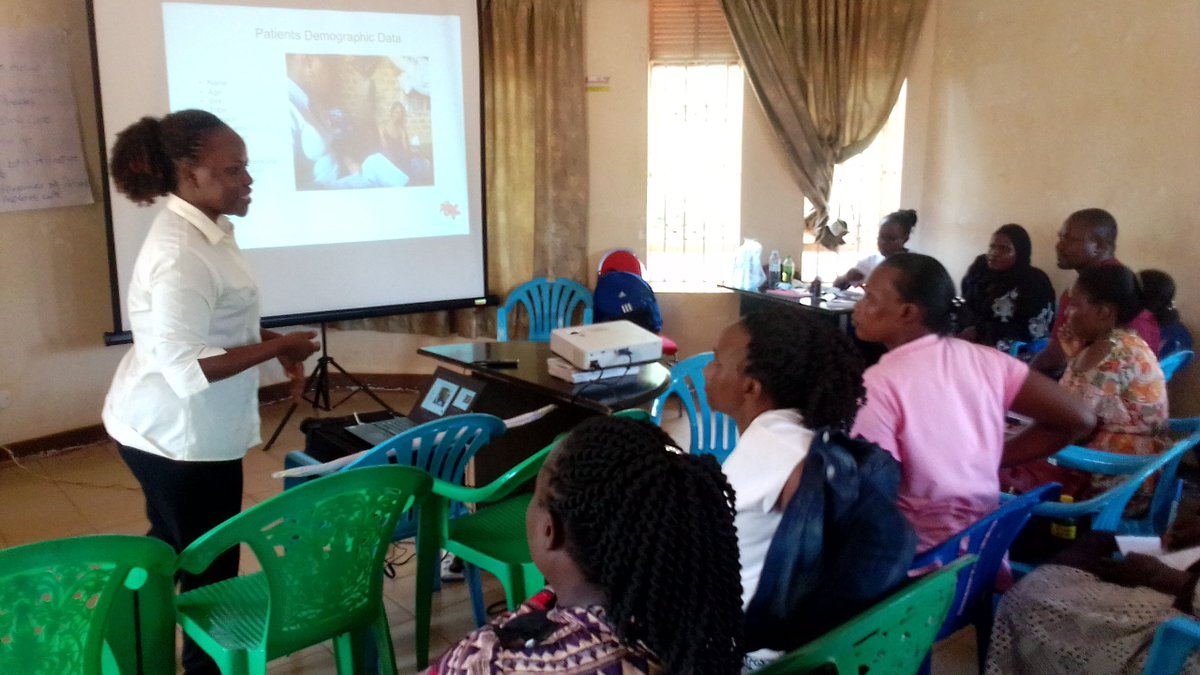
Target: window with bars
866	188
694	147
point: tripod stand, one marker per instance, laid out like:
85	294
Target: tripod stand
316	389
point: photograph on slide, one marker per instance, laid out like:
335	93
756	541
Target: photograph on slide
360	121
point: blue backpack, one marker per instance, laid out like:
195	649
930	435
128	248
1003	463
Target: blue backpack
622	295
842	545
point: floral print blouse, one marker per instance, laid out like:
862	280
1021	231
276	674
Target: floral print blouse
1127	392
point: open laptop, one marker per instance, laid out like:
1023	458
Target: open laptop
449	393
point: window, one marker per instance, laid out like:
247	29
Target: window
865	189
694	147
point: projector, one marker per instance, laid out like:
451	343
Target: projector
602	345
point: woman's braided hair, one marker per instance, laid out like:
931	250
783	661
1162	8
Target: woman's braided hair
806	364
653	528
145	153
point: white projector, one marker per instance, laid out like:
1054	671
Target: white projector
602	345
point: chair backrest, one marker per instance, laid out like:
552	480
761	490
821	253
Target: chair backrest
1031	348
619	260
321	546
1107	509
711	432
517	476
548	303
892	637
621	295
1174	641
989	540
1173	363
64	602
442	448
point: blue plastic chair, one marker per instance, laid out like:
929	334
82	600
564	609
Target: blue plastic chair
712	432
1029	347
989	540
1173	363
442	448
1106	510
1174	641
549	304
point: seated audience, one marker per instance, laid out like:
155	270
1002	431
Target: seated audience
894	231
1088	613
1087	238
1116	373
1007	299
636	541
938	403
779	375
1158	290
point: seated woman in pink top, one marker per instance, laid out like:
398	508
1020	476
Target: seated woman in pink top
937	403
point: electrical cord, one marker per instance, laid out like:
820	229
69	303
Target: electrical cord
62	481
398	556
607	382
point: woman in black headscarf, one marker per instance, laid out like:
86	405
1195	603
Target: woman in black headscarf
1007	299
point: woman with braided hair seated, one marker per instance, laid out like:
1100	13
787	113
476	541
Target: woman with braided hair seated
779	375
637	544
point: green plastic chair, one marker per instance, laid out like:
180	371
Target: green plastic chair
892	638
493	537
67	607
321	547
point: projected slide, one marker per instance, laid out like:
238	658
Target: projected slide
353	121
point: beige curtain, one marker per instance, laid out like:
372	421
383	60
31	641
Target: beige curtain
535	151
827	73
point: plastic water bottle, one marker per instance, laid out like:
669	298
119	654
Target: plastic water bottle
1064	528
773	270
788	272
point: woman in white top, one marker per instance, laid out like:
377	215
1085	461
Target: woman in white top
894	231
183	404
778	375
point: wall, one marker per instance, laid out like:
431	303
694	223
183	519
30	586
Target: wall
1024	111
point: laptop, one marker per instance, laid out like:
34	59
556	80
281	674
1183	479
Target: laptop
447	394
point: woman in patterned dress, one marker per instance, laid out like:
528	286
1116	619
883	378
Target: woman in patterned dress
1118	375
637	544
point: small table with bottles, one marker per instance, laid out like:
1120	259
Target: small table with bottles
826	307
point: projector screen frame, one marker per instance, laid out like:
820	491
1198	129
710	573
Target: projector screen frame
120	336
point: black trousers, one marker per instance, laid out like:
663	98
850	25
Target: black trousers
184	500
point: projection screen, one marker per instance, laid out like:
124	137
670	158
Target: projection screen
362	120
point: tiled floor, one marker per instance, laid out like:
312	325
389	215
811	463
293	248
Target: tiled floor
89	491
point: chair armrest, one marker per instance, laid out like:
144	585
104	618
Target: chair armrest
202	552
1097	461
940	555
499	488
1185	425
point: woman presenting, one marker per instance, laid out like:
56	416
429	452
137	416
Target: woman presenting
183	404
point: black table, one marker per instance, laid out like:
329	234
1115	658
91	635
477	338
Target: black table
529	386
752	301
